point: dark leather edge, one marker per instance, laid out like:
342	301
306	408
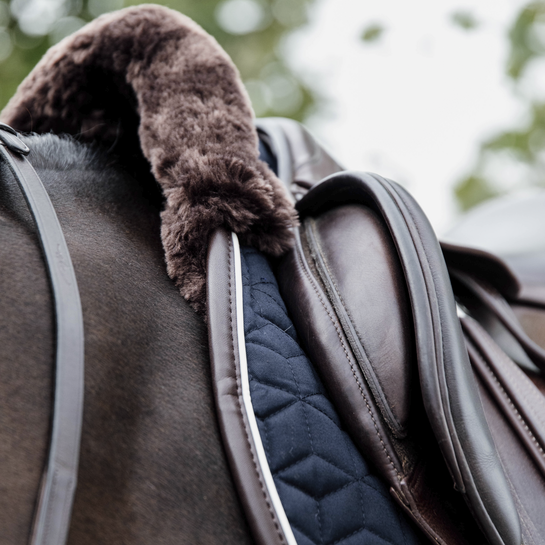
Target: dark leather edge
483	265
233	420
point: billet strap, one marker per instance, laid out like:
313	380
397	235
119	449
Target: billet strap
483	265
514	407
56	496
522	403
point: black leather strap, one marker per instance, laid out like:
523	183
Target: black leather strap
56	496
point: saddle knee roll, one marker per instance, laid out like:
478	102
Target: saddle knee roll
369	295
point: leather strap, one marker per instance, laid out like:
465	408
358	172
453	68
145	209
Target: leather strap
241	438
492	300
519	399
56	496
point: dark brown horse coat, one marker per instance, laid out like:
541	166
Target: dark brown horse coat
152	466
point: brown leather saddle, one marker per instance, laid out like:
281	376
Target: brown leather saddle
451	423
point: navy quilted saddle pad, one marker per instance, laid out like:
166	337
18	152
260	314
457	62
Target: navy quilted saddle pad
329	492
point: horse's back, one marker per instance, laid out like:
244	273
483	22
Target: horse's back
152	467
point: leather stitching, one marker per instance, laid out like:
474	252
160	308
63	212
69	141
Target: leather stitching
509	401
272	513
516	378
332	278
362	393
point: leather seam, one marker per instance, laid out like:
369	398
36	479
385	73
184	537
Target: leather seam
362	393
348	313
509	401
517	381
239	395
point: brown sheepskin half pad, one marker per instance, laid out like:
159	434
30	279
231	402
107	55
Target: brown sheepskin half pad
148	78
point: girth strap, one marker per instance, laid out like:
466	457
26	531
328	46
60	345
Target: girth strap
56	496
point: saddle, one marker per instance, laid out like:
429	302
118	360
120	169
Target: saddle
364	376
428	395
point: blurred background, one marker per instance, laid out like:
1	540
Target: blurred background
447	98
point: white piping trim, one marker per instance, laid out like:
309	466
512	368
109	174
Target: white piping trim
248	407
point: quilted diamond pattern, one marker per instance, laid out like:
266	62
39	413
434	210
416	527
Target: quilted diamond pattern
329	493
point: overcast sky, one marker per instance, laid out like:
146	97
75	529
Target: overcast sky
415	104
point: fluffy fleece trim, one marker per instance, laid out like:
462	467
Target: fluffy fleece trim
150	79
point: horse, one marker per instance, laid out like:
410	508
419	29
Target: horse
152	466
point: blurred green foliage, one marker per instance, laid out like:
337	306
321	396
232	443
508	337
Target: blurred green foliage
251	31
372	33
521	149
464	19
